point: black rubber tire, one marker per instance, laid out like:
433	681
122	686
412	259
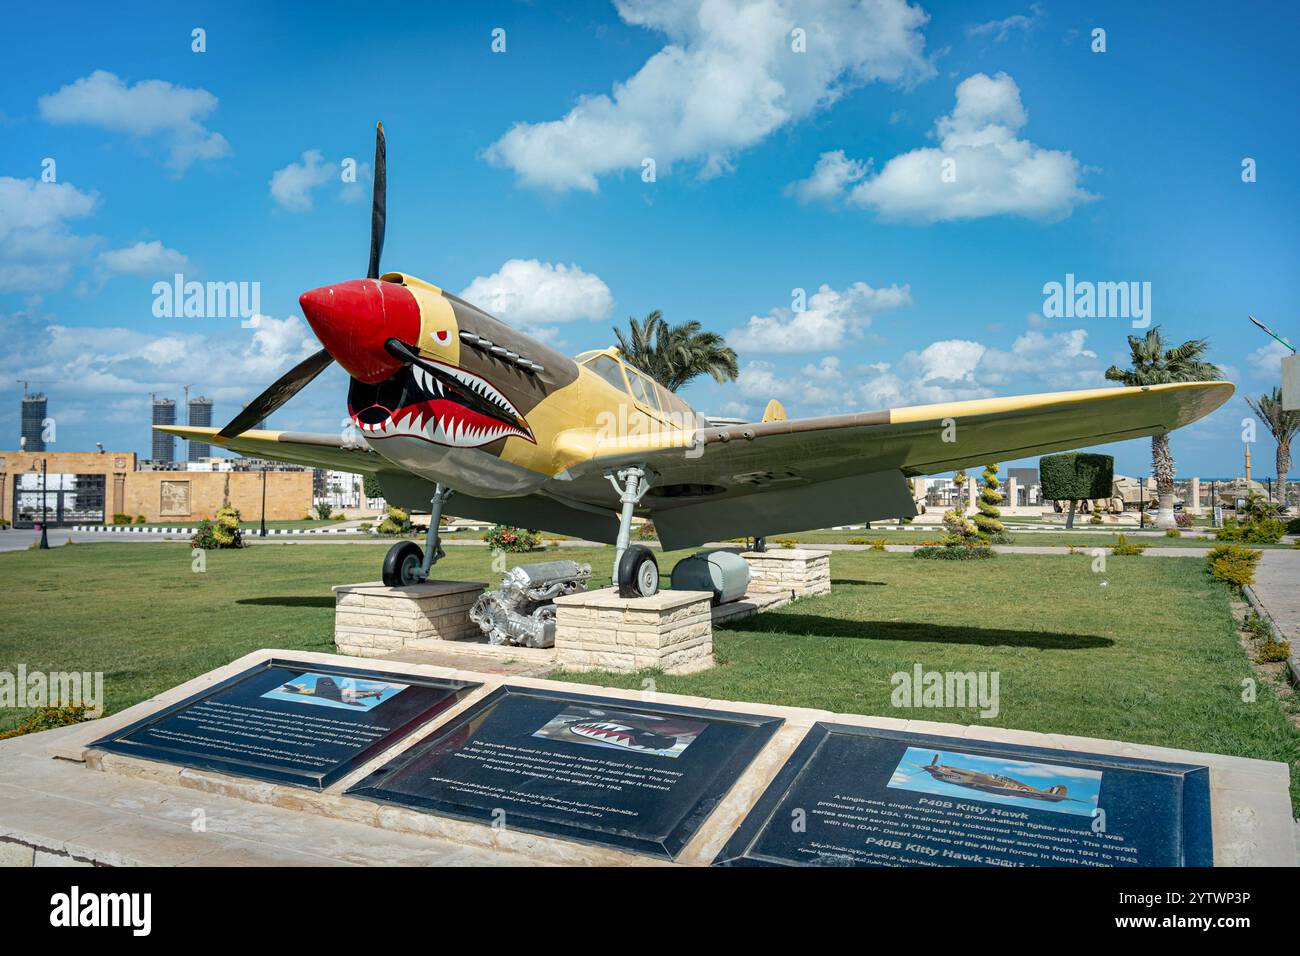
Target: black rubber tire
402	564
638	573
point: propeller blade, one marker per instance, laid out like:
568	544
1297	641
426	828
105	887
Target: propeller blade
285	388
379	203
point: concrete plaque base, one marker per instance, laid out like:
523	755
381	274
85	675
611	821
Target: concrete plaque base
793	571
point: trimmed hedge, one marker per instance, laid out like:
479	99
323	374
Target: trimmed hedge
1233	563
1076	476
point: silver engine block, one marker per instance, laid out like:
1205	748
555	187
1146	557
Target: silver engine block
520	611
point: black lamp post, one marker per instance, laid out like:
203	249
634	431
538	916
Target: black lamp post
45	540
1142	503
262	533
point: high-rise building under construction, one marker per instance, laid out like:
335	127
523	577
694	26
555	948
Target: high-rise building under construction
164	445
200	416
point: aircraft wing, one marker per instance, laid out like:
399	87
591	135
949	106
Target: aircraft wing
298	448
782	476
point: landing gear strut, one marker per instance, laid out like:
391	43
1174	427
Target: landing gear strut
405	564
636	573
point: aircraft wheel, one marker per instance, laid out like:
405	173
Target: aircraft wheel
638	573
402	564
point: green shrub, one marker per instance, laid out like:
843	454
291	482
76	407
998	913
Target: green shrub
365	526
988	518
1251	531
1095	519
1233	564
1293	526
858	541
1076	476
323	511
954	552
4	523
878	544
1271	651
121	519
1125	548
646	532
222	532
140	519
505	538
787	543
47	718
396	522
1173	533
1183	519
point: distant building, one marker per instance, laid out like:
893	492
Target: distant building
164	445
34	421
200	416
1027	486
259	425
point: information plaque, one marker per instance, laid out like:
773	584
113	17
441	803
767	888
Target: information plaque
611	772
287	722
860	796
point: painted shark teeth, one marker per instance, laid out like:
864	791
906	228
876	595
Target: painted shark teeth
479	386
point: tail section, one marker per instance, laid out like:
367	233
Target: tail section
775	412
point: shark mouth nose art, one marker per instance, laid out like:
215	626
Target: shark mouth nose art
622	735
438	403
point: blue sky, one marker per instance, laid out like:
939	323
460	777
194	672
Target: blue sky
518	176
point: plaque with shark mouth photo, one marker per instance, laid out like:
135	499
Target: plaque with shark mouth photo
621	730
288	722
617	773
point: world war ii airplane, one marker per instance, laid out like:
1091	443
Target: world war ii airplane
994	783
328	689
445	398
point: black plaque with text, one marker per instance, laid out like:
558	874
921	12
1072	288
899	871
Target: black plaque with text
611	772
861	796
288	722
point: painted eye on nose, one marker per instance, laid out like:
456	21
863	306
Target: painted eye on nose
442	336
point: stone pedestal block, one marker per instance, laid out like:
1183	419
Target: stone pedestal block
598	630
793	571
372	620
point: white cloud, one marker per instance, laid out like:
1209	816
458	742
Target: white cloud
821	386
1266	361
292	186
833	173
538	295
1000	30
95	360
961	369
37	247
142	259
980	168
726	79
150	108
829	316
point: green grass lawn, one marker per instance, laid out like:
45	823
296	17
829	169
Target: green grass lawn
1028	538
1152	657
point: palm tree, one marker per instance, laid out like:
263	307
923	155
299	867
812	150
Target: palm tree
674	355
1153	364
1283	424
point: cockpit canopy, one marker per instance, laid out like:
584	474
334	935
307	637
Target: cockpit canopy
610	365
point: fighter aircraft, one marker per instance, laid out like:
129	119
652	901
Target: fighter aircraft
994	783
446	398
328	689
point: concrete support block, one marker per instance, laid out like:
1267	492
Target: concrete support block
372	620
794	571
598	630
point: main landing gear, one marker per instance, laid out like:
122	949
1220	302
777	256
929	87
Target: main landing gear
405	564
636	573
